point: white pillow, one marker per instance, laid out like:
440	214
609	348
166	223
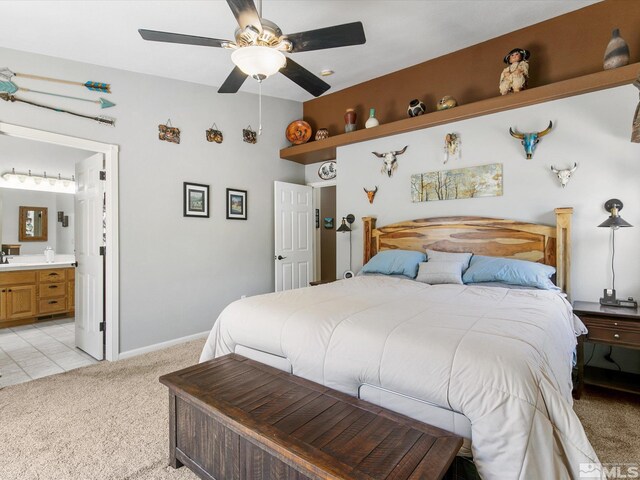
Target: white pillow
435	272
462	258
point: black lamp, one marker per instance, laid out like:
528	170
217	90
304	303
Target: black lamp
614	222
347	228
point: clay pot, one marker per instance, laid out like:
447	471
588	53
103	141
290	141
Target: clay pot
322	133
416	107
617	52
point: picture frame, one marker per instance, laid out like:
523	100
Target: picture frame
196	200
236	204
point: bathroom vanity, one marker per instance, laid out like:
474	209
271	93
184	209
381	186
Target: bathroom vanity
29	291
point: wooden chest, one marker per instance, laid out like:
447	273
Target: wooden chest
233	418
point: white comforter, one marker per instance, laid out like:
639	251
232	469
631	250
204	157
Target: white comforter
500	357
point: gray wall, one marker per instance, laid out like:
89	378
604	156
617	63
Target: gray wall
176	273
592	129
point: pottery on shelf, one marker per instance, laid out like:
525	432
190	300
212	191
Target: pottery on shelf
298	132
446	102
372	121
322	133
617	52
416	107
350	118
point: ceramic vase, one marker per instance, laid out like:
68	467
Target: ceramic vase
372	121
350	118
322	133
416	107
617	52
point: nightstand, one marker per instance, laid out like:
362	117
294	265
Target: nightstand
608	326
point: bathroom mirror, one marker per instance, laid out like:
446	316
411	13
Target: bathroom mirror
33	224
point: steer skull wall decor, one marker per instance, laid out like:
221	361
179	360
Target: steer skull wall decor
390	162
530	140
564	175
371	194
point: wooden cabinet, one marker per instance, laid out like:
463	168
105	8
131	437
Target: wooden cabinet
26	295
608	326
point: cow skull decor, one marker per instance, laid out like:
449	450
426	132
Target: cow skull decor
530	140
371	194
390	162
564	175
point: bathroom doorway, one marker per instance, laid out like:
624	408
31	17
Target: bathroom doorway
103	314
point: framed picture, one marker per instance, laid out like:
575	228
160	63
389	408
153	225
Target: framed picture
196	200
236	204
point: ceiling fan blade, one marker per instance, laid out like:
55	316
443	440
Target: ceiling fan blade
303	77
245	13
329	37
233	82
156	36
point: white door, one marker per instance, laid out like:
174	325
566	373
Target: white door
89	237
293	236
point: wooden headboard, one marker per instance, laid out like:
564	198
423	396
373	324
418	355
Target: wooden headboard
495	237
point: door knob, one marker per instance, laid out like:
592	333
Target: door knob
280	257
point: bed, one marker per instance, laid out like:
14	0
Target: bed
491	364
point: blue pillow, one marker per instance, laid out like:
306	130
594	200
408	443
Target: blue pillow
510	271
395	262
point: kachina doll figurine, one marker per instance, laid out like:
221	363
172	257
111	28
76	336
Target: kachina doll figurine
514	77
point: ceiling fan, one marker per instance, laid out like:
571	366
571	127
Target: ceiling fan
259	45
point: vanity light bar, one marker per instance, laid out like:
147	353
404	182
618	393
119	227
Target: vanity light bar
27	181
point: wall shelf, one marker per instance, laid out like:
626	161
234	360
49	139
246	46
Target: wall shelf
323	150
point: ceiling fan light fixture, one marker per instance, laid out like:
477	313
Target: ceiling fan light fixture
258	62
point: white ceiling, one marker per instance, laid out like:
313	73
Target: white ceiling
400	33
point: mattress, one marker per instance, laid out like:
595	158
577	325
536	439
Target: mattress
501	358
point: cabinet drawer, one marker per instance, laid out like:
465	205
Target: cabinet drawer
613	335
48	290
17	278
51	275
52	305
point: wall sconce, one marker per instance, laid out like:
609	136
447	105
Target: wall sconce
27	181
60	216
65	221
614	222
347	228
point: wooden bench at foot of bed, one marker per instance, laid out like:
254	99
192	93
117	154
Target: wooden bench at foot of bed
234	418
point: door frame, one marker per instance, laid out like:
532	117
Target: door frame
112	270
316	186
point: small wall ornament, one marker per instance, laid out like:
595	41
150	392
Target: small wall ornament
451	146
371	194
327	170
390	161
214	135
564	175
514	77
635	126
530	140
249	136
169	133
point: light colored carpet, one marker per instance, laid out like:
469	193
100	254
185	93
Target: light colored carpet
109	422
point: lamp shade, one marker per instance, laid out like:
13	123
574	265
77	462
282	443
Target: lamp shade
344	227
614	221
257	61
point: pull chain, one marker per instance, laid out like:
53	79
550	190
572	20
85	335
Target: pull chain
260	108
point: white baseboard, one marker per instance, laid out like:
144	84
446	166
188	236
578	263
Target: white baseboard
159	346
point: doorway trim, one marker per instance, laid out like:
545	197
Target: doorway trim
112	272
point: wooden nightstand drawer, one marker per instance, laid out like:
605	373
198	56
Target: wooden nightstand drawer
613	336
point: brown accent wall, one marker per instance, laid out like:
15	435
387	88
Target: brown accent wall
328	236
563	47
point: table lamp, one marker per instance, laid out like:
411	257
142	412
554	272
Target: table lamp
614	222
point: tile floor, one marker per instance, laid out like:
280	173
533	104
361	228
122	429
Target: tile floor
37	350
